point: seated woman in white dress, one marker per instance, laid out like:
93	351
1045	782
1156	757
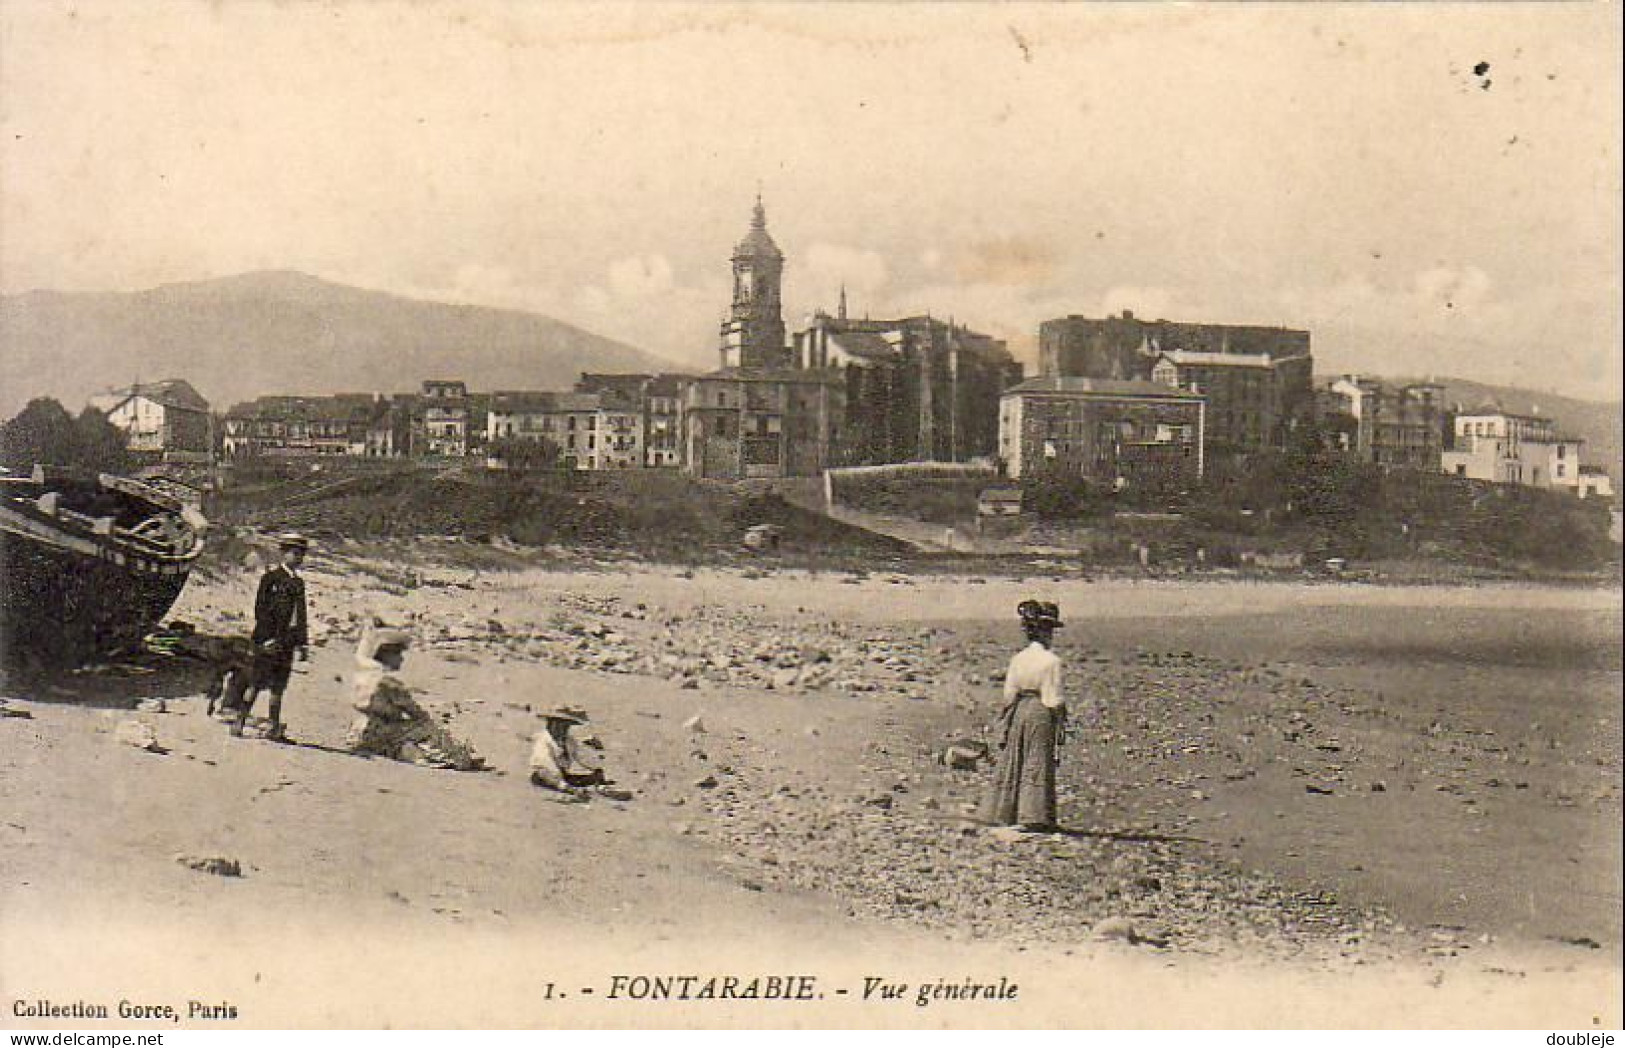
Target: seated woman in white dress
390	722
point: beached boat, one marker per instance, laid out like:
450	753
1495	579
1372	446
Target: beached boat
89	563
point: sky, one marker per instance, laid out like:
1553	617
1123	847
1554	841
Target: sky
1429	190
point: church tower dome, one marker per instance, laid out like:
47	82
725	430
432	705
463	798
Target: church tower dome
757	244
753	336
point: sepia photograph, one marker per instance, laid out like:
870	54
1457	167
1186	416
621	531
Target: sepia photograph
810	515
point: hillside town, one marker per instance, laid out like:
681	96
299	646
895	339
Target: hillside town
1120	401
974	516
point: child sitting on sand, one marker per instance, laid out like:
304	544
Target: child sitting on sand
557	762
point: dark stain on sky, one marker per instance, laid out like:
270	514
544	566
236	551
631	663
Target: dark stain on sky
1021	42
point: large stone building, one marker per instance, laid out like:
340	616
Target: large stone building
444	419
591	431
754	422
759	415
659	400
1396	428
1242	389
294	426
167	418
1119	432
753	334
1505	448
1258	381
916	389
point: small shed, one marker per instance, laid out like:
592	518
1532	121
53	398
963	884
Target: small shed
999	502
998	512
763	537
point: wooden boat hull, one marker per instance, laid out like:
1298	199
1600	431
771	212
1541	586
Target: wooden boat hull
70	591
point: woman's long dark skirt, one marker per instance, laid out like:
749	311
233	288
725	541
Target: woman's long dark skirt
1023	790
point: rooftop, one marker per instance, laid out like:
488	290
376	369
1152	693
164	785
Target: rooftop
1104	387
344	407
1486	411
1128	317
735	374
870	345
171	393
1237	360
543	402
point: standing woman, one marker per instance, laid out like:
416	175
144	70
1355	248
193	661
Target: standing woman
1023	790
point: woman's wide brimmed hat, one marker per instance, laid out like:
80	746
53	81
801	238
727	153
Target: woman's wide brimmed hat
569	714
292	540
376	640
1039	613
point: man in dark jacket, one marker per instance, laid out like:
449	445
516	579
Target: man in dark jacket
280	630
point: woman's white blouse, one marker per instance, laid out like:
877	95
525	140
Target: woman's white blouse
1035	668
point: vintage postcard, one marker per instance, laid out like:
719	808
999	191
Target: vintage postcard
810	515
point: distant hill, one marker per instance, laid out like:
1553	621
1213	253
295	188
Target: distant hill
240	337
1598	424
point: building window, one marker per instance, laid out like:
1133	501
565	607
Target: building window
1560	465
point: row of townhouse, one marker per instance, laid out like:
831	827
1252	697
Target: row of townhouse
1118	399
763	422
590	431
1410	427
300	426
444	419
1397	427
610	422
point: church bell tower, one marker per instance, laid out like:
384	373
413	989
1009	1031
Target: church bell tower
753	334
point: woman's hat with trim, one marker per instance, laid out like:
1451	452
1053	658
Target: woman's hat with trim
569	714
1039	613
377	640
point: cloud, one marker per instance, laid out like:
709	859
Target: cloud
641	302
827	266
641	276
1439	300
488	285
594	300
1445	288
1007	260
1006	311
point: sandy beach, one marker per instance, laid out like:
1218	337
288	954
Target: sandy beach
1327	805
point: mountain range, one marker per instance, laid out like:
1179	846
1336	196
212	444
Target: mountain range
239	337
